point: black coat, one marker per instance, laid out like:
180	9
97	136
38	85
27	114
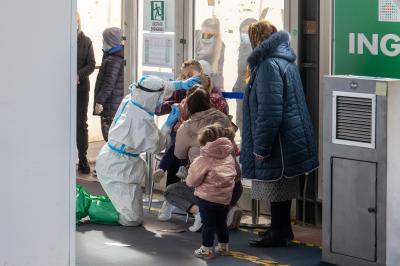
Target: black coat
276	121
109	89
86	62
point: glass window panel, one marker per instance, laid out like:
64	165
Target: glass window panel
220	38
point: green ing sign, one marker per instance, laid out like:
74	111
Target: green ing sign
367	38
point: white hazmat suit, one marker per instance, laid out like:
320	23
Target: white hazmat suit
119	167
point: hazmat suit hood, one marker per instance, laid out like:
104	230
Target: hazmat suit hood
148	92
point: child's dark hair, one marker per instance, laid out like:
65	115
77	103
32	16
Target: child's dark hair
213	132
198	100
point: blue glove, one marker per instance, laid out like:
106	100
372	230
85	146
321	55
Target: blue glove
173	116
186	84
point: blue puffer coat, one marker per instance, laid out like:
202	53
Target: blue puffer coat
276	121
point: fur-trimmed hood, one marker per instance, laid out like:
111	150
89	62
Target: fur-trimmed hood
277	45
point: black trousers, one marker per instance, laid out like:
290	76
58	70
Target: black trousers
213	217
280	217
81	123
105	126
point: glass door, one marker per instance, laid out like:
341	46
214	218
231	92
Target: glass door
220	38
160	51
96	16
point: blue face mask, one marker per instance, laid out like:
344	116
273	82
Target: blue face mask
244	38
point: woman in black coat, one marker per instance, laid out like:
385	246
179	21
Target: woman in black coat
278	142
86	64
109	90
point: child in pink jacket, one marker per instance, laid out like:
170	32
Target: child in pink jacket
213	174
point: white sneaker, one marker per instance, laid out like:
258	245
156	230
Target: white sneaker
222	249
234	216
182	172
158	175
165	212
204	253
197	223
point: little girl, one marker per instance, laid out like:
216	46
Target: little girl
213	175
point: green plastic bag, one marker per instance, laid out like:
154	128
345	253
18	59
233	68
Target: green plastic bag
102	211
99	208
82	203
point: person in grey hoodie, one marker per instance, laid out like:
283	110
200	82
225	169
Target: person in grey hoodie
109	90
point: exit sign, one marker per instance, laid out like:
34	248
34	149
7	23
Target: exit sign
157	16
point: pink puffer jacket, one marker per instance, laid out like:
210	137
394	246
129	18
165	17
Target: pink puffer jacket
213	173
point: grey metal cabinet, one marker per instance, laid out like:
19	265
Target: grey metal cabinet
361	171
354	208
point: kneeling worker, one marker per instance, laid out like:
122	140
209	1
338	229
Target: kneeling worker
133	131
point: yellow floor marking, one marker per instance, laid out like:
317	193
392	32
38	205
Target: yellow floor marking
255	259
256	231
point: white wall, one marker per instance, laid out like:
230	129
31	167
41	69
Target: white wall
393	177
37	108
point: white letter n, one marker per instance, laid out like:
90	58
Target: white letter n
372	47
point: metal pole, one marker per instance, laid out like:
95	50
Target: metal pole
255	211
304	198
149	177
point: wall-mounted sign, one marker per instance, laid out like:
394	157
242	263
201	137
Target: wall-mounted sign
157	16
367	44
158	50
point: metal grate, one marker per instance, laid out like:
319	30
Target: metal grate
354	119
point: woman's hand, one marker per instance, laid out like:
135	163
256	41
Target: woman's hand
261	158
98	108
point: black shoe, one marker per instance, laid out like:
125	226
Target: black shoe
270	239
288	234
84	167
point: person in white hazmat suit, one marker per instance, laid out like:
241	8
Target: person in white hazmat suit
119	167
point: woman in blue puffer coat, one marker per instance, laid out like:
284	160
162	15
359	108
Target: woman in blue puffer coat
278	142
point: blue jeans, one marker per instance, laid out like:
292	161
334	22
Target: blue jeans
213	217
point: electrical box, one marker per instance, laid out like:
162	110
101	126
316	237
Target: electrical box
361	171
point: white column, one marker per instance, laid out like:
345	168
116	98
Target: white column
37	134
